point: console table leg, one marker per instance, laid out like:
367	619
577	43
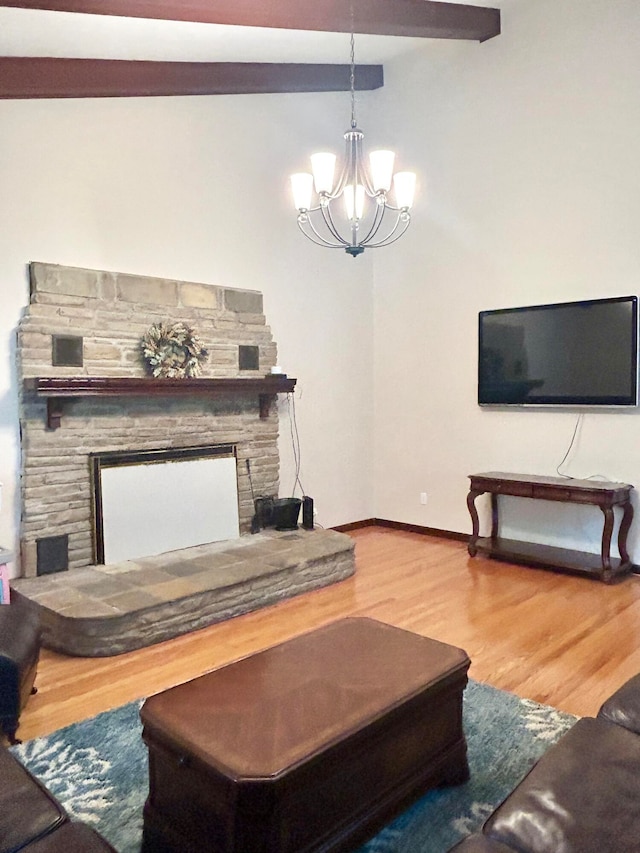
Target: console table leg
475	521
606	542
494	516
625	524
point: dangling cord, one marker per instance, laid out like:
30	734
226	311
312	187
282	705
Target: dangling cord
573	438
601	477
295	443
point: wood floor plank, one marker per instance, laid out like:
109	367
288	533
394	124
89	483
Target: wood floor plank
558	639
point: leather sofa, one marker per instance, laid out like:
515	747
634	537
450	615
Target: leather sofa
582	796
31	819
19	654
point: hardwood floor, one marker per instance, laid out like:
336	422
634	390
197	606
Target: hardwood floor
561	640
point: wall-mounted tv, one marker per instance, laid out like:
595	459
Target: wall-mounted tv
567	354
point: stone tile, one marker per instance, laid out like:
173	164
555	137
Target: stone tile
210	548
89	610
283	559
130	602
177	588
143	577
69	577
120	568
135	288
80	578
200	295
32	587
60	598
248	570
72	281
203	581
243	301
182	570
216	562
57	580
281	543
259	551
105	587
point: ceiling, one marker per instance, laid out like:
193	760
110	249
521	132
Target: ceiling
68	49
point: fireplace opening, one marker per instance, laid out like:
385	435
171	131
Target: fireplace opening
153	501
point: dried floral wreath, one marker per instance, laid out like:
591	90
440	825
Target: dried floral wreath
173	352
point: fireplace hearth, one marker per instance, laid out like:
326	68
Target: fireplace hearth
106	610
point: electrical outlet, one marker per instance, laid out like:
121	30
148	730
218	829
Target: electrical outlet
423	498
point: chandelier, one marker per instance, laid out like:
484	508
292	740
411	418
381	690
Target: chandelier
368	219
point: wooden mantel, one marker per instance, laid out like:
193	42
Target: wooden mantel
58	389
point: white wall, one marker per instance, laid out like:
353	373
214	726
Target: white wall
196	189
528	150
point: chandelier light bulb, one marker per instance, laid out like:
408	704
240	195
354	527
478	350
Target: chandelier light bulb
302	187
350	206
323	166
404	186
381	169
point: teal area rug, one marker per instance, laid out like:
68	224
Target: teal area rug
98	770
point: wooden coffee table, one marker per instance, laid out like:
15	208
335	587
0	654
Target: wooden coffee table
309	746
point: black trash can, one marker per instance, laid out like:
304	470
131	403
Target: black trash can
285	513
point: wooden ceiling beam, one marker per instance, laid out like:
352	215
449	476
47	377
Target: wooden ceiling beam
46	77
415	18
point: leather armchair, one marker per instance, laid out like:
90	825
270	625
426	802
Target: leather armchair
19	653
582	795
31	819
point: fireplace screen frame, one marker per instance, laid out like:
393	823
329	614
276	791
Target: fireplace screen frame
114	459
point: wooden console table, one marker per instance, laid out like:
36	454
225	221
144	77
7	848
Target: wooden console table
597	493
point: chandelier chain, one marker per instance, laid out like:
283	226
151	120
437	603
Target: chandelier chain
352	76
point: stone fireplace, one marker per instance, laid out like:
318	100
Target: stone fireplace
88	402
107	314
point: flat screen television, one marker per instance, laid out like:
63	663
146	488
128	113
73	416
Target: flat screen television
567	354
